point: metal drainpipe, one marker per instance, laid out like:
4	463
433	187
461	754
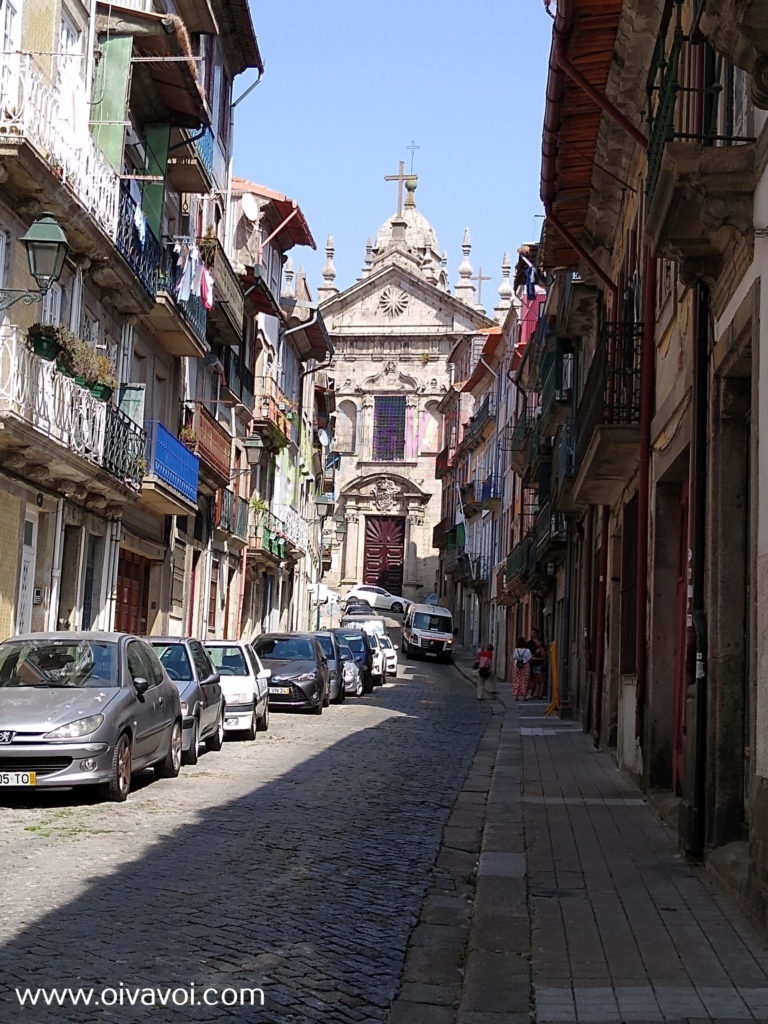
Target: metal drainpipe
643	488
602	587
697	633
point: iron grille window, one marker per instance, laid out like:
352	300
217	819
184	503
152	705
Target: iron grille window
389	428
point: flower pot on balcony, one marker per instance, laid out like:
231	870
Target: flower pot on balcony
46	348
102	391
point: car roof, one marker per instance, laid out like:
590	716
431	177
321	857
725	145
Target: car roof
170	639
224	643
76	634
430	609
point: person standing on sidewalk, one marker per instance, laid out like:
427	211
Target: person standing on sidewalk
538	666
521	678
484	670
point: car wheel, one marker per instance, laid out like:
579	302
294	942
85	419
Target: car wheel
253	726
360	688
119	785
190	755
397	607
327	697
262	724
317	709
170	766
216	741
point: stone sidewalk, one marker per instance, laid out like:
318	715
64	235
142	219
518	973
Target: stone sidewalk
559	898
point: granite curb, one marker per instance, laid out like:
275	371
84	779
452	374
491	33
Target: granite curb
469	956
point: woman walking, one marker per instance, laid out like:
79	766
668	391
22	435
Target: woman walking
522	676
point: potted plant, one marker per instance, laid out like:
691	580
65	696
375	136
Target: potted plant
45	340
258	505
188	436
77	359
106	381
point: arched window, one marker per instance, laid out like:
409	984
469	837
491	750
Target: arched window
429	429
346	427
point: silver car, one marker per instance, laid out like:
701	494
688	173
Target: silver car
85	709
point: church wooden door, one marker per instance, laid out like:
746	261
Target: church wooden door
383	561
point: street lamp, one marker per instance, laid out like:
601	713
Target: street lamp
47	247
324	505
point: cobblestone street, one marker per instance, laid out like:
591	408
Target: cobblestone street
296	863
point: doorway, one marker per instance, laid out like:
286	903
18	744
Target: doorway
27	574
384	547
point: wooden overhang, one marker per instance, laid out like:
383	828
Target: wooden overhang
584	32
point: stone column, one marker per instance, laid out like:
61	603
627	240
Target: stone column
365	440
349	569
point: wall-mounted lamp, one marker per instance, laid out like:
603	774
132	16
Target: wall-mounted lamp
47	248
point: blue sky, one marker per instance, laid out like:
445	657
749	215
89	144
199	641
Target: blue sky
348	85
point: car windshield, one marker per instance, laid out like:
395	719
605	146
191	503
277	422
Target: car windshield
373	626
292	648
229	661
385	641
327	644
432	623
175	661
57	664
355	643
345	652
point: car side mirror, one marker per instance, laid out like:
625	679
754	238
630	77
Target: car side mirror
141	684
266	673
394	647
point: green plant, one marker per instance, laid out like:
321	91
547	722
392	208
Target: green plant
77	357
105	371
187	435
258	504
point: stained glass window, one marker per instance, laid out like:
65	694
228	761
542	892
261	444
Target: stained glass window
389	428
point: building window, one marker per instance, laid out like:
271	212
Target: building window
389	428
346	428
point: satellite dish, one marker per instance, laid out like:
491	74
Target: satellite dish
322	436
250	207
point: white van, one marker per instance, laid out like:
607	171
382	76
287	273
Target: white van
428	630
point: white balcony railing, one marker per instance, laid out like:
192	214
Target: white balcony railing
296	528
55	120
35	391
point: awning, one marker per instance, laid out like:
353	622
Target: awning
158	36
296	228
258	295
489	349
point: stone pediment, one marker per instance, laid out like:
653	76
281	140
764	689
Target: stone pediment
396	300
390	376
385	491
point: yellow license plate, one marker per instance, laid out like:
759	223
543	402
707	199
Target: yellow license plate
18	778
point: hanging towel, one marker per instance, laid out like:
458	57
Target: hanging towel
197	270
184	286
206	288
530	282
140	223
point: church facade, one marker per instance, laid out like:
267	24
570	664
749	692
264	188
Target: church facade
392	333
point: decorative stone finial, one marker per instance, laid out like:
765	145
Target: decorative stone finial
328	287
368	262
505	290
410	189
288	290
465	290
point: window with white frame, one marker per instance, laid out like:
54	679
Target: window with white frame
51	310
9	25
70	57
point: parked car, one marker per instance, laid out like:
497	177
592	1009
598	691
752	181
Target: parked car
188	665
378	597
85	708
351	678
358	607
368	623
245	685
377	668
359	643
389	650
428	630
299	670
330	646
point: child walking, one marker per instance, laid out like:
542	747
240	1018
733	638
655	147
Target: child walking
484	666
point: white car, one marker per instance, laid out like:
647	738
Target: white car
378	668
378	597
350	673
389	650
245	684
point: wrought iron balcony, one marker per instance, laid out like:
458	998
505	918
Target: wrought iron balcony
229	302
169	277
481	569
125	444
270	414
170	482
517	566
556	388
608	415
212	444
445	461
491	490
241	517
477	427
470	497
564	470
136	243
224	513
190	161
550	534
295	527
266	536
35	393
34	110
515	439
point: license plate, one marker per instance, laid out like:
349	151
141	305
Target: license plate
18	778
279	689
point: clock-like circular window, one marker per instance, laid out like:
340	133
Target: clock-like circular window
393	301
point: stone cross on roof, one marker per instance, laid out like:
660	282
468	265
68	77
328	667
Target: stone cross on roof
401	177
479	277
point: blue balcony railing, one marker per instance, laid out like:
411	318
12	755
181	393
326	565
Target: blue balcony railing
169	274
204	149
136	242
170	461
124	446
